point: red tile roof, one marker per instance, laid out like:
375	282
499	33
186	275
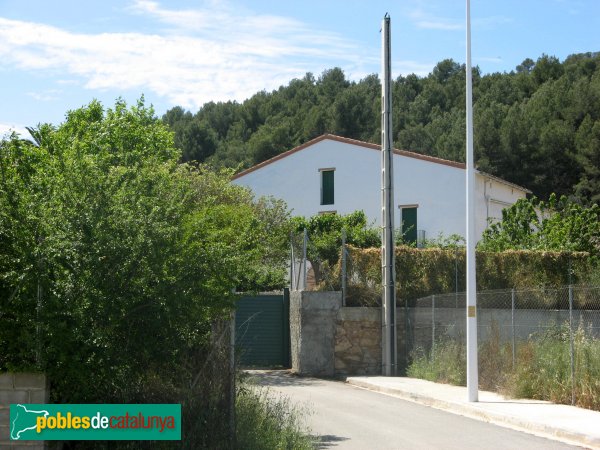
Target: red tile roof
333	137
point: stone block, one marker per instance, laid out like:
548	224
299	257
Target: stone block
6	381
38	396
372	360
4	433
353	358
30	380
4	415
8	397
350	314
369	341
339	364
342	347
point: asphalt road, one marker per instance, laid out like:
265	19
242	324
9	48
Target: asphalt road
347	417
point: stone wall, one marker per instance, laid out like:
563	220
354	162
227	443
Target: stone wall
330	340
19	388
358	341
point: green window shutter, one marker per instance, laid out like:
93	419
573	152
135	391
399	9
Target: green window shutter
327	189
409	225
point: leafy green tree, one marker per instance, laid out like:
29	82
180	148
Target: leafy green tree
588	142
115	259
325	234
558	224
270	140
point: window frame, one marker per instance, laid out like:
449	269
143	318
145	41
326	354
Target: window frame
327	198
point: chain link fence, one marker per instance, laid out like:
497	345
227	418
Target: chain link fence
541	343
310	266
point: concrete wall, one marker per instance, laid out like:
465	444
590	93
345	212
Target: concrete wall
312	331
330	340
19	388
424	325
437	188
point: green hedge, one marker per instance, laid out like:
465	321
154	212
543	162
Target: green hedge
422	272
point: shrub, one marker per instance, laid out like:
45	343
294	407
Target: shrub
445	363
542	369
265	421
422	272
116	261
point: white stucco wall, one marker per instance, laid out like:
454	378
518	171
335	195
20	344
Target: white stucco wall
437	189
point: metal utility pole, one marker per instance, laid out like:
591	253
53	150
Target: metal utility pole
472	369
388	273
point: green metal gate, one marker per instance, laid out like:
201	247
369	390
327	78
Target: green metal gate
262	328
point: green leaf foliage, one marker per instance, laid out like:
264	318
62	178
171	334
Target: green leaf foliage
115	259
423	272
325	234
559	224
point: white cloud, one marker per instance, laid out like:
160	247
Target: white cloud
409	67
213	53
427	20
6	129
45	96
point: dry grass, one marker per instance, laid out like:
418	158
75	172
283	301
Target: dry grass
542	368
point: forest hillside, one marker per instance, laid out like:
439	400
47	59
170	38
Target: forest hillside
537	126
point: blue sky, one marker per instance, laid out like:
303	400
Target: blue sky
59	55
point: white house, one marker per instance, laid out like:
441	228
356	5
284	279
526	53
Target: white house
332	174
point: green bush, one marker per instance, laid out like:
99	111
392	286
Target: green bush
422	272
558	224
116	261
445	363
265	422
325	239
544	368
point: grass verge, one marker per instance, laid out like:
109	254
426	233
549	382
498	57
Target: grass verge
542	368
266	421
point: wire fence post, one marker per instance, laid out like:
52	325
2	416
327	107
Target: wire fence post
512	324
572	344
304	249
232	427
433	327
456	277
292	264
408	339
344	262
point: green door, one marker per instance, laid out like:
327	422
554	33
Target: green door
262	330
409	225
